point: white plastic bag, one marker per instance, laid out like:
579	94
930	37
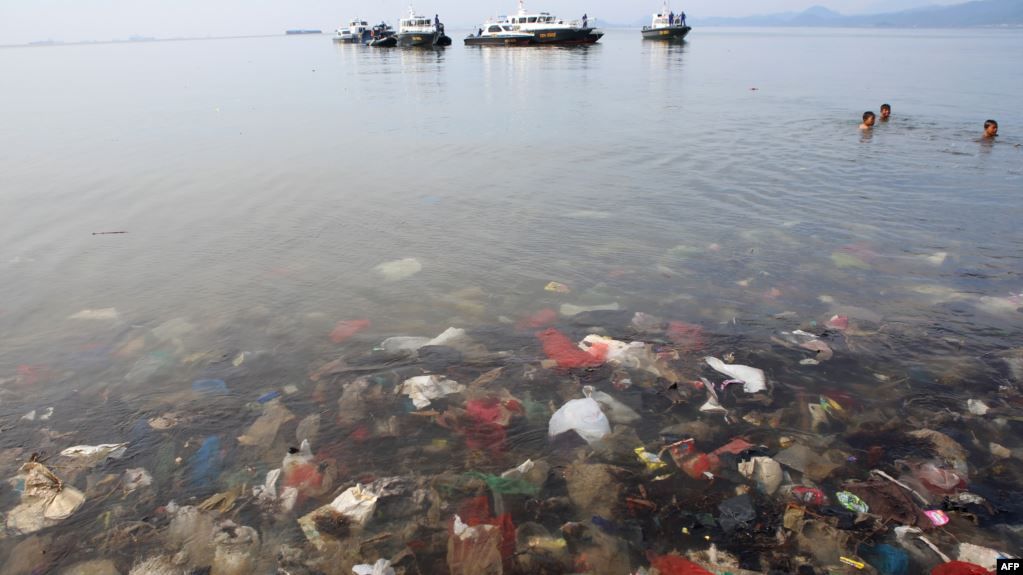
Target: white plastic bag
582	415
753	380
381	567
424	388
616	411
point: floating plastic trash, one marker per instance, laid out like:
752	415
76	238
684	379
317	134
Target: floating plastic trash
851	502
584	416
210	387
753	380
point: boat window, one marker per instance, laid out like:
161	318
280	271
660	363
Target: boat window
494	29
532	19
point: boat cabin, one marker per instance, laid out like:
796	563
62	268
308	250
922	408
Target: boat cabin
498	29
542	18
418	24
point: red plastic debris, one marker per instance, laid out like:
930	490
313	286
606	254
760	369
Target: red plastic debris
959	568
347	328
542	318
493	410
562	350
675	565
687	336
838	322
485	436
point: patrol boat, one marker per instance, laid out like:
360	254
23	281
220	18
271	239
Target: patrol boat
357	32
491	34
547	29
382	36
415	30
666	25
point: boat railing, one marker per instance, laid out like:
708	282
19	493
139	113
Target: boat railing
590	22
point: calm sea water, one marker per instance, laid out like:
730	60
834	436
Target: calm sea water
722	182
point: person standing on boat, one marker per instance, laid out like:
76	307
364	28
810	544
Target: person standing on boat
671	18
584	20
682	17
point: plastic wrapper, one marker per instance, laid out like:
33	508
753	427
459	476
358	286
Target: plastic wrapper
45	500
474	550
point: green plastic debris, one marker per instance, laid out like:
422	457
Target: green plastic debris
506	485
851	502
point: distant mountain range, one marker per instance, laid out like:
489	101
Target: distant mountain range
987	13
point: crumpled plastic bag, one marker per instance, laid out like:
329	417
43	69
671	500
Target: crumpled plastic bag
564	352
399	269
615	410
300	470
765	471
263	431
474	550
737	512
96	452
237	547
381	567
45	500
268	496
356	505
582	415
424	388
752	378
633	355
136	478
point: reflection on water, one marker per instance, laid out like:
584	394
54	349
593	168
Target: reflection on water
292	204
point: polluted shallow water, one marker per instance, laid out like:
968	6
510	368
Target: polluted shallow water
598	439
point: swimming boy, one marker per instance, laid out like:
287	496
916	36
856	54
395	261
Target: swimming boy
886	112
868	121
990	129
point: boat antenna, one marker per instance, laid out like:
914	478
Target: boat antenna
664	8
522	7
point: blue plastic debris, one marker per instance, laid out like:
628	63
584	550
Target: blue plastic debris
888	560
210	386
205	463
268	396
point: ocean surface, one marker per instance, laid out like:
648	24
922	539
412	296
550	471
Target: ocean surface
260	183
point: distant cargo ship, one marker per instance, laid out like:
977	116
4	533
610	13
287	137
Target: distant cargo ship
296	32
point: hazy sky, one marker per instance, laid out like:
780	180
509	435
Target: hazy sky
71	20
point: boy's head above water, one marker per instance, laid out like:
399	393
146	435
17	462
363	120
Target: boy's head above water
886	112
990	129
868	120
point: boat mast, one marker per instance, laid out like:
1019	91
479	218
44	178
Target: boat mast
522	7
664	8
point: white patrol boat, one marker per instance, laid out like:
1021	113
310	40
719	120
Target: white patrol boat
416	30
356	33
666	25
548	29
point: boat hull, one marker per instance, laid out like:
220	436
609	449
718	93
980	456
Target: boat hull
669	33
357	39
414	40
567	36
388	42
485	41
